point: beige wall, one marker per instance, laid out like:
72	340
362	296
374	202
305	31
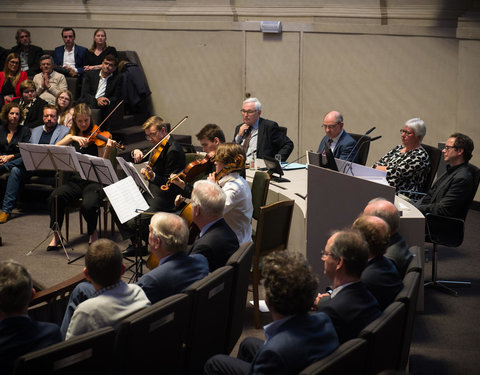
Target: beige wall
378	62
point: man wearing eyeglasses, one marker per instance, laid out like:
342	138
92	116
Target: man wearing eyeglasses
454	190
259	136
340	142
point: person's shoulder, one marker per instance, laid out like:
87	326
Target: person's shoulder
81	49
36	48
266	122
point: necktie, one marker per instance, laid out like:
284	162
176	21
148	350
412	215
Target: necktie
329	145
247	139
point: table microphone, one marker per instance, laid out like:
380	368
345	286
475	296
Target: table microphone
354	147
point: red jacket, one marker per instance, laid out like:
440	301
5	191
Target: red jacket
23	77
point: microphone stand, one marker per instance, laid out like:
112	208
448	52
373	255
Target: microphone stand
358	150
355	147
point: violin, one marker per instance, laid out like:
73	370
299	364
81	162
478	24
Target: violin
100	138
192	170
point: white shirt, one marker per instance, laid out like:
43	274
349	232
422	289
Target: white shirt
102	85
69	58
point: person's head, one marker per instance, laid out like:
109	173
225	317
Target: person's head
99	39
290	284
208	200
46	64
168	234
64	100
458	149
23	38
11	114
109	65
413	132
28	91
104	263
346	253
12	66
333	124
68	36
210	136
251	111
375	231
229	154
155	129
50	117
385	210
16	288
82	119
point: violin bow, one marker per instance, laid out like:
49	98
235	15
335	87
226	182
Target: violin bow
106	118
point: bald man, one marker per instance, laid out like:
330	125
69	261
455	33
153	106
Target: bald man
397	250
341	143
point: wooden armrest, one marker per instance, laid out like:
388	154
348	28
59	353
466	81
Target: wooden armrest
58	289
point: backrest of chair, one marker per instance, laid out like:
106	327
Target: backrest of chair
475	171
408	295
435	155
155	335
349	358
415	264
260	184
384	337
88	353
363	147
283	129
443	230
209	317
241	262
273	227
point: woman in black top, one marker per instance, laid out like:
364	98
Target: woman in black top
11	133
98	51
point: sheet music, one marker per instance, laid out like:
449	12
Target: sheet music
50	158
131	171
125	199
95	165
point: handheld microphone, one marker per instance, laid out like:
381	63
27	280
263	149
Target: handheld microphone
359	147
355	147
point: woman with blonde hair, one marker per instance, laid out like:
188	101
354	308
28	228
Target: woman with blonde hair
99	50
10	79
64	104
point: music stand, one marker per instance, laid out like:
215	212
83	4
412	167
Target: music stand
47	158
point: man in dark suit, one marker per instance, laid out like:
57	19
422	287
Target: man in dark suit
341	143
217	241
295	338
453	191
69	59
380	276
32	106
18	333
29	54
397	248
350	305
260	136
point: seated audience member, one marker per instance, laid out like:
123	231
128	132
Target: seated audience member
70	58
341	143
65	108
19	334
31	105
259	136
10	79
175	272
380	276
102	90
3	56
48	133
229	162
295	338
397	248
29	54
49	83
99	50
350	306
217	241
114	299
453	191
408	164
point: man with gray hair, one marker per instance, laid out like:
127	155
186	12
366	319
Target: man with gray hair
29	54
397	248
216	241
260	136
18	333
49	83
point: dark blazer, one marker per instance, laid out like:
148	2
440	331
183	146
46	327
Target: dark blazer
90	86
398	253
177	273
350	310
3	56
343	149
271	140
451	194
382	279
217	244
21	335
299	342
21	135
80	53
34	54
35	113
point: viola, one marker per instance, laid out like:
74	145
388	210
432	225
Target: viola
100	138
192	170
